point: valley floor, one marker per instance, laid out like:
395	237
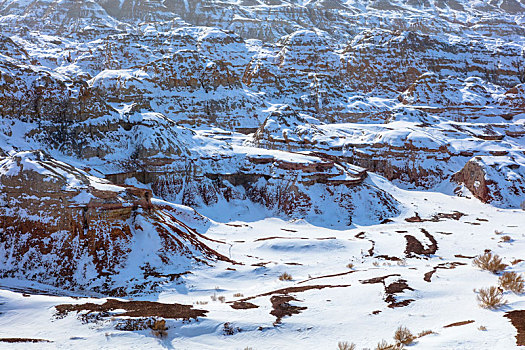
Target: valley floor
336	293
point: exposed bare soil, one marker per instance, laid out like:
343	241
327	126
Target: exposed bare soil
517	318
135	309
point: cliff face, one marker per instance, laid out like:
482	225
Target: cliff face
289	106
61	226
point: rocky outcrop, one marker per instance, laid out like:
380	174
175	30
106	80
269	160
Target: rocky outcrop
497	180
61	226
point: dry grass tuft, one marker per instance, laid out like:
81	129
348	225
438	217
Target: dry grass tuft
506	239
512	281
403	336
384	345
238	295
285	277
344	345
482	328
491	298
222	298
158	328
350	265
213	297
425	333
489	262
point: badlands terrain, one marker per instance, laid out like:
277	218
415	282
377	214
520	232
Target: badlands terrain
262	174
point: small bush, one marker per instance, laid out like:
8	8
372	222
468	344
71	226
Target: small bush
238	295
489	262
222	298
350	265
375	263
213	297
285	277
506	239
403	336
512	281
384	345
491	298
344	345
158	328
482	328
498	232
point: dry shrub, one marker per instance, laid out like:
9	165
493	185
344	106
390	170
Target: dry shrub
424	333
489	262
213	297
403	336
512	281
506	239
375	263
222	298
384	345
158	328
498	232
238	295
491	298
482	328
350	265
285	277
344	345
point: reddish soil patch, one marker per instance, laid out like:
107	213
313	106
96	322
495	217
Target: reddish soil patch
464	256
428	276
281	307
517	318
277	237
378	279
135	309
392	289
243	305
414	246
24	340
456	215
360	235
328	276
289	290
388	257
371	250
456	324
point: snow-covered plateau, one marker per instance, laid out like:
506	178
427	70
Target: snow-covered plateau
262	174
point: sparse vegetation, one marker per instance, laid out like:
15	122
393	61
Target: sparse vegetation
403	336
506	239
491	298
498	232
201	302
158	328
375	263
213	297
490	262
344	345
512	281
425	333
222	298
384	345
285	277
482	328
350	266
238	295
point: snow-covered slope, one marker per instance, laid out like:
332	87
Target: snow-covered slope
195	148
